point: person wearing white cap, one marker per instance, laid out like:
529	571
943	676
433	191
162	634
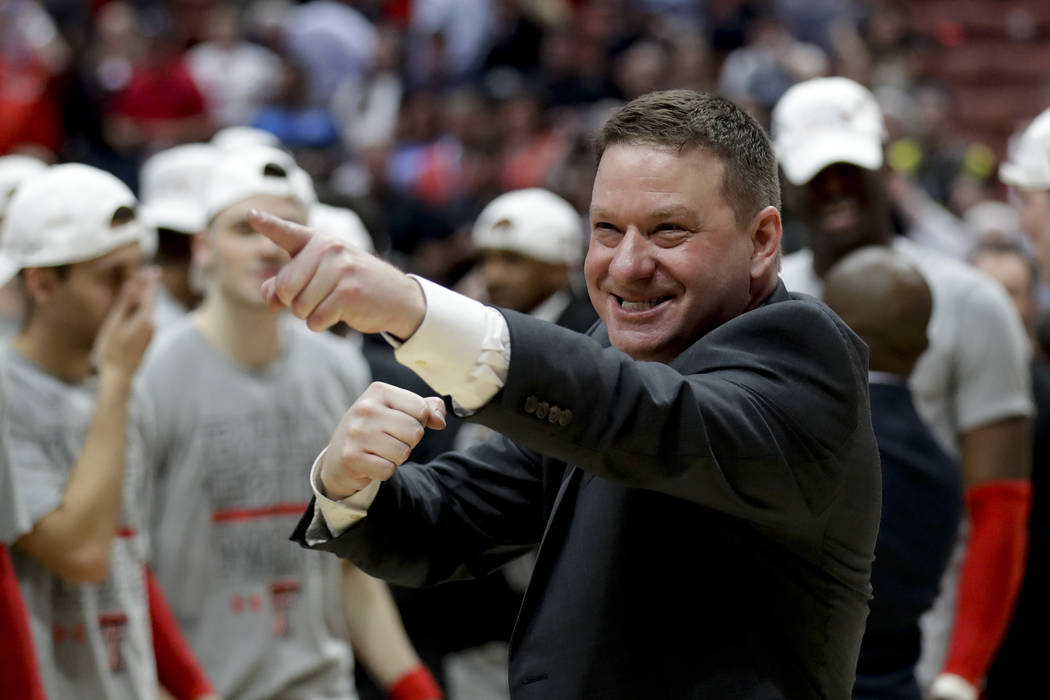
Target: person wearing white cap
172	185
72	433
241	398
531	244
1018	668
971	388
1027	172
14	169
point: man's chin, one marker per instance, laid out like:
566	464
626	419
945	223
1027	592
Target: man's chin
638	346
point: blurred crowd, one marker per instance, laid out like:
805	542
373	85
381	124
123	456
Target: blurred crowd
418	113
405	119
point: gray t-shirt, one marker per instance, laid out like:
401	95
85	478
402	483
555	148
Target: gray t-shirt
231	451
91	640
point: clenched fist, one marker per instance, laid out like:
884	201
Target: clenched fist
375	436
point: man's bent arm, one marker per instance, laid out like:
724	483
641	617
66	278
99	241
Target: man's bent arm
74	541
996	463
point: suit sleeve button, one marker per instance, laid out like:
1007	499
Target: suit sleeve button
552	417
542	409
565	417
530	404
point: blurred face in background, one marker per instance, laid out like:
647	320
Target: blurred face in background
843	207
519	282
76	298
235	258
1015	274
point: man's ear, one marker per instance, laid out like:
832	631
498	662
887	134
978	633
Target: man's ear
40	283
766	230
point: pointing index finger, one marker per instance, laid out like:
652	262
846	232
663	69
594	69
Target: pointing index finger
289	236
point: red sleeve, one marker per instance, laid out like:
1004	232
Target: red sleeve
19	673
177	667
991	575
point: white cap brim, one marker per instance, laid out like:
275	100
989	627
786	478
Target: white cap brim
8	269
1015	175
177	215
809	156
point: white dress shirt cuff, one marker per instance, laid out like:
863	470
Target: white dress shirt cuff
461	349
333	518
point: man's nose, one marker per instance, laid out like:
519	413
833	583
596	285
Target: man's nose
632	259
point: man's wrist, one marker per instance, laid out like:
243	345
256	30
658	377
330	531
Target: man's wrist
415	311
115	380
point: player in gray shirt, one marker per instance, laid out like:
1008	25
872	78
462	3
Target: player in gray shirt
75	461
241	398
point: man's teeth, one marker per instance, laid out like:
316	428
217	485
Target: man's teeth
639	305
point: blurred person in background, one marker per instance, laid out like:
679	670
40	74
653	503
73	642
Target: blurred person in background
33	56
643	67
73	436
173	185
448	40
886	301
992	221
160	105
972	391
331	40
241	397
365	106
532	144
1017	670
1027	173
531	246
14	170
772	60
306	129
236	77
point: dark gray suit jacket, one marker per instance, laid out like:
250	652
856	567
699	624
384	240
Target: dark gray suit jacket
706	527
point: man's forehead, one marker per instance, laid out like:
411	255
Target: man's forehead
130	254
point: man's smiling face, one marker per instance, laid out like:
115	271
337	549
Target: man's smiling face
667	259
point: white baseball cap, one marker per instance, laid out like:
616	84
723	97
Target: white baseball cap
533	222
14	170
823	121
63	216
172	187
250	172
233	138
341	222
1029	164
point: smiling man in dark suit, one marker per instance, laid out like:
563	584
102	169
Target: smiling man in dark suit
700	472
